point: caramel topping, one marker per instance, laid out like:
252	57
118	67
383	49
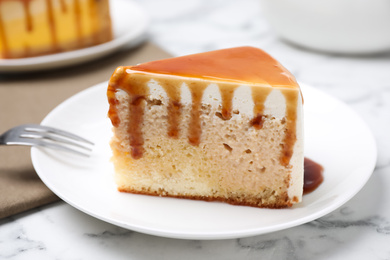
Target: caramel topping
3	39
195	128
259	96
26	9
63	6
116	82
77	12
227	93
136	88
94	18
291	125
50	16
242	64
172	88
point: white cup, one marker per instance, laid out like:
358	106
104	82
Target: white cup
338	26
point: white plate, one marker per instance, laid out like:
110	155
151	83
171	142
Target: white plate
129	27
335	136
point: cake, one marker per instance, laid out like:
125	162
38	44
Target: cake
224	125
38	27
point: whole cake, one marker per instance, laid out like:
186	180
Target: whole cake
224	125
37	27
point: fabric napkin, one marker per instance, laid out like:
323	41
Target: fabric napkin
28	98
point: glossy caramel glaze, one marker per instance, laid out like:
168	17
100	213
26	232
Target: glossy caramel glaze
50	14
137	90
227	93
63	6
3	38
195	131
259	95
291	124
174	107
241	64
27	14
233	66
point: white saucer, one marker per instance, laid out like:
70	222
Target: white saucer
335	136
130	23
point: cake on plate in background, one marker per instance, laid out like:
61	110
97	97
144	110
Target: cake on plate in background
37	27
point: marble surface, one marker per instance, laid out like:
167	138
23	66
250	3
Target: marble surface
360	229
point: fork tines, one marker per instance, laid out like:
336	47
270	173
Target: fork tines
57	139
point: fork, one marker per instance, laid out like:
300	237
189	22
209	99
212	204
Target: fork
39	135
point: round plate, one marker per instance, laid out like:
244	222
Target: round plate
335	136
129	23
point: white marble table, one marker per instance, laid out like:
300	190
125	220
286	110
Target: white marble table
360	229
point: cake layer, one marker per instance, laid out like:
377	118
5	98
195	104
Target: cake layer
208	137
36	27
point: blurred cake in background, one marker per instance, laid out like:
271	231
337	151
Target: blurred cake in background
37	27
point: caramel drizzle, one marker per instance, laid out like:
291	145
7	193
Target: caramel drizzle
137	101
52	28
117	81
195	127
3	38
63	6
227	93
259	96
291	125
94	18
77	11
174	106
113	101
27	13
137	89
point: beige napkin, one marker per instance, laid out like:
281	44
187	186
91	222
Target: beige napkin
28	98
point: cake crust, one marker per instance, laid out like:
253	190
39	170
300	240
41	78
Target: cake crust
282	202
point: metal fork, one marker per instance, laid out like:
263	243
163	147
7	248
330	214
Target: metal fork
38	135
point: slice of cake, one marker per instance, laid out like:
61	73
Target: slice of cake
37	27
223	126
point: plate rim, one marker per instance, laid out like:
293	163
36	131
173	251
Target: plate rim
221	234
134	37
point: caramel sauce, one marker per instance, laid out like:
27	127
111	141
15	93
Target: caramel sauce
116	82
94	18
227	93
137	90
52	28
3	39
27	14
313	176
241	64
174	107
63	6
195	128
259	95
113	110
290	135
237	65
77	12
